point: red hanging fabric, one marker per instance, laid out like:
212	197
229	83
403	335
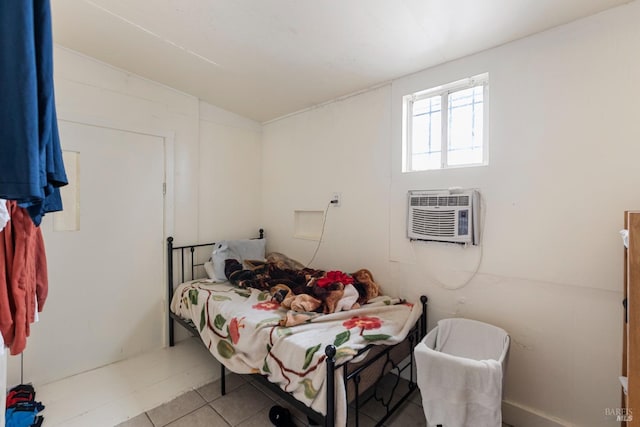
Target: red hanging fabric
23	277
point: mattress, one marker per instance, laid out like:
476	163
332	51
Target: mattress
243	328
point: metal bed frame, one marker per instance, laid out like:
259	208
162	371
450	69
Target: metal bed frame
380	359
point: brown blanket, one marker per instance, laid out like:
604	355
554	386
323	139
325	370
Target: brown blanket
316	292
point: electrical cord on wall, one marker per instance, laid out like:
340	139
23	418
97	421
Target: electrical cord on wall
461	285
473	275
478	264
324	221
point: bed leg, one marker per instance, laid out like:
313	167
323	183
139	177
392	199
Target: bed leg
330	352
223	381
356	383
171	338
170	287
423	318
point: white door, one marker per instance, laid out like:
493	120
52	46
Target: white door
106	289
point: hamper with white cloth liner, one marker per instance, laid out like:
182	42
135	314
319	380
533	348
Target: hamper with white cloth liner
460	369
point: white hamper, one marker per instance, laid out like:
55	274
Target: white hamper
460	366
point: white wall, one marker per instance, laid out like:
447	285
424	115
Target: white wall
91	91
562	169
230	175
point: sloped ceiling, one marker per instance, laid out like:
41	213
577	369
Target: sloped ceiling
267	58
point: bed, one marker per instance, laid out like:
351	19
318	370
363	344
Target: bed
318	363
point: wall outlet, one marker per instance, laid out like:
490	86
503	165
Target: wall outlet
336	199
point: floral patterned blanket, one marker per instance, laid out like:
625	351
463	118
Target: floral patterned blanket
241	328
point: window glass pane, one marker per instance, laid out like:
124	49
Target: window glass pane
426	138
425	161
465	126
463	136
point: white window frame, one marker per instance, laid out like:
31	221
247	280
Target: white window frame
443	91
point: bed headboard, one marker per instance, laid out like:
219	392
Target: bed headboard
186	258
192	256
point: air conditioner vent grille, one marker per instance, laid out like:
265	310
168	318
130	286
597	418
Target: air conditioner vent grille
434	223
440	201
444	216
463	201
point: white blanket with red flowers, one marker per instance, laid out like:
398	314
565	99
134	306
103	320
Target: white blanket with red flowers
241	328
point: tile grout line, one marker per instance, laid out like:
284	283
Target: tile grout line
179	418
219	414
149	418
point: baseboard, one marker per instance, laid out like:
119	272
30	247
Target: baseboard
518	415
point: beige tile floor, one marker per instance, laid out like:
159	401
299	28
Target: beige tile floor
114	393
184	373
247	404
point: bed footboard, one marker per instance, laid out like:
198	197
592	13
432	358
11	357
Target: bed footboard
365	381
369	375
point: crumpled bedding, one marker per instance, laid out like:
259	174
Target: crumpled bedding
319	290
243	328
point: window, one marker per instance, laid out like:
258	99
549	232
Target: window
446	126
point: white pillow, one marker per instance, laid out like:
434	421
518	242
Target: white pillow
239	250
208	267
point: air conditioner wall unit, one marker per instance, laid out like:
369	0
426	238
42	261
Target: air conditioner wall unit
444	216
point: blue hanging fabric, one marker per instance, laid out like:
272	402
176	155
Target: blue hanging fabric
31	167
